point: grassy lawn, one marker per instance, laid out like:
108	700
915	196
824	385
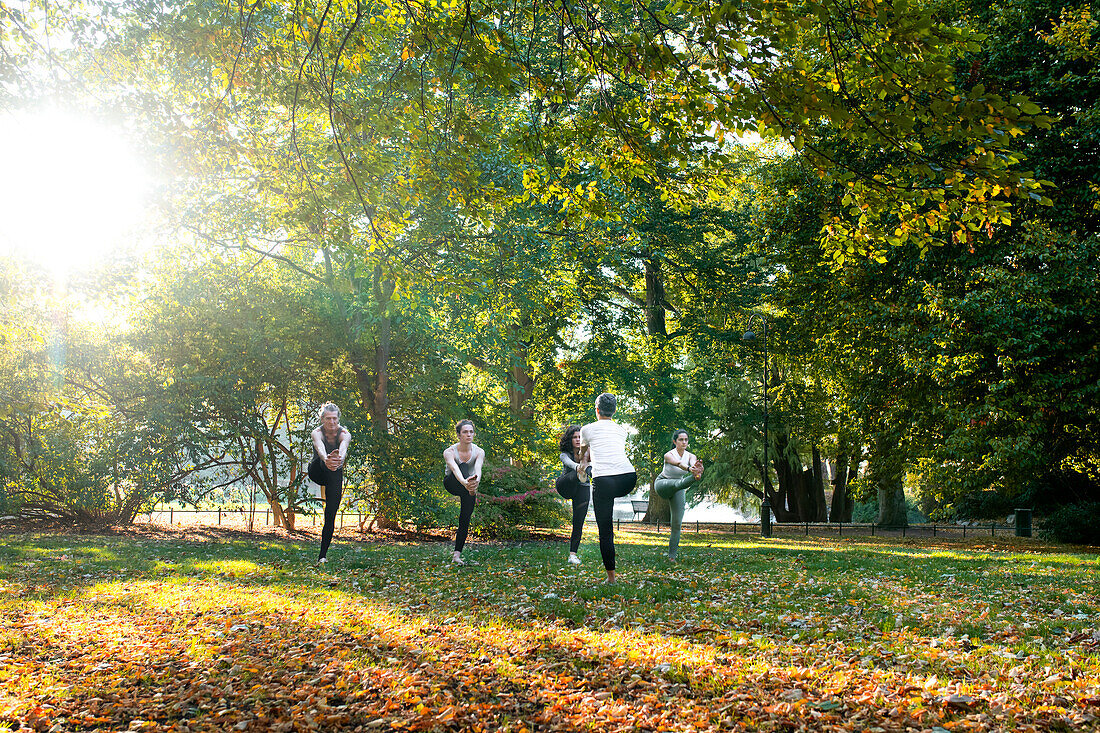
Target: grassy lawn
171	631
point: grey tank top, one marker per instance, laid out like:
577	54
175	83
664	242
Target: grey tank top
467	466
671	471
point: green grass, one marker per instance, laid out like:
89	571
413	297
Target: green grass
760	634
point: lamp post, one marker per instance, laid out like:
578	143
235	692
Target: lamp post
765	506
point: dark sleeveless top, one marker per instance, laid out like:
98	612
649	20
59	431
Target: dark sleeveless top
329	447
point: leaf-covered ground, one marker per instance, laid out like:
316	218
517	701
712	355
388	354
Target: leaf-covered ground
172	632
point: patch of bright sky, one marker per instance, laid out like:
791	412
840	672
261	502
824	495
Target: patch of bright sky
73	190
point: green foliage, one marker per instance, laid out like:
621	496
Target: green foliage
9	501
391	105
239	385
529	501
1076	524
984	505
1046	50
867	512
1014	364
863	490
441	210
71	444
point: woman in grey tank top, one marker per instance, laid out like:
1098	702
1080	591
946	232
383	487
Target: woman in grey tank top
681	470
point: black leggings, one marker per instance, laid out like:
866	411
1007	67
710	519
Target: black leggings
605	489
580	494
466	510
333	481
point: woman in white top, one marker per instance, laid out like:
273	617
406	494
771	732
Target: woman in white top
681	470
464	461
613	475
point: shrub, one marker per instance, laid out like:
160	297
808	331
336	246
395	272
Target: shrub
515	497
984	505
866	512
1075	524
80	466
8	502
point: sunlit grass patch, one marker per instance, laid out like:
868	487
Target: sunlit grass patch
227	567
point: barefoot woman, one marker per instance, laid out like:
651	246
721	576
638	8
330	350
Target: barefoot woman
612	473
330	448
464	460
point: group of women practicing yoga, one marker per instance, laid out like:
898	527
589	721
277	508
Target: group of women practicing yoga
595	469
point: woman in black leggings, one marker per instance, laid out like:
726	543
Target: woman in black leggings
573	485
613	474
464	461
330	448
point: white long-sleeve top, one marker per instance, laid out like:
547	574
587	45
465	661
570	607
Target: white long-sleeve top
606	440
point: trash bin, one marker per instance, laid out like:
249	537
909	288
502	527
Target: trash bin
1023	522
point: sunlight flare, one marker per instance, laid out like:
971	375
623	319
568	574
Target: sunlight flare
72	189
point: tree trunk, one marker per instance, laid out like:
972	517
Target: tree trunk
387	502
130	505
891	507
853	474
817	488
886	471
520	387
277	515
521	384
659	508
841	509
655	300
796	491
777	498
802	483
784	498
380	404
781	495
264	477
270	493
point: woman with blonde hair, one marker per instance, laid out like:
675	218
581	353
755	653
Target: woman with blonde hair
330	449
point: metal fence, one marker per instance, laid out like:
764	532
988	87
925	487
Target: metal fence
219	517
839	529
237	517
